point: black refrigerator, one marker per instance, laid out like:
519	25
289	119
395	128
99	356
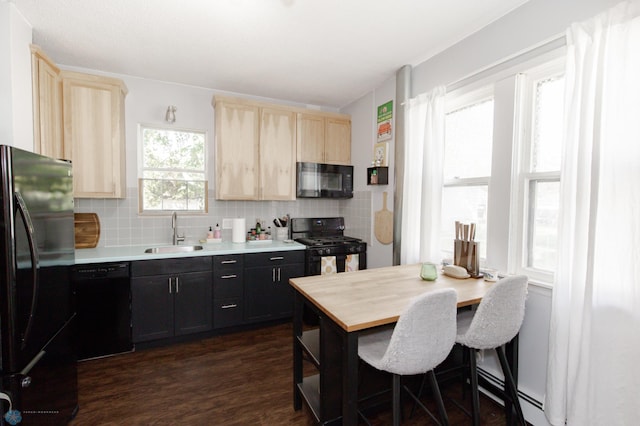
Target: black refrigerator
37	312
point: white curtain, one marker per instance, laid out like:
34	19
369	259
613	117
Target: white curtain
594	348
421	198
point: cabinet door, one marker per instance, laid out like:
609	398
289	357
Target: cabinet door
47	107
277	154
193	303
310	138
151	308
93	110
237	151
337	146
259	283
282	306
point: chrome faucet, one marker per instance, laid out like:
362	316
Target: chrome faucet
177	239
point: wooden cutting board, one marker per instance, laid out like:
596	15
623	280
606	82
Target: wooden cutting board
383	223
87	229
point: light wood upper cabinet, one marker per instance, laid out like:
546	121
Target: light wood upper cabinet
337	142
237	151
310	141
277	154
93	113
47	106
255	151
323	138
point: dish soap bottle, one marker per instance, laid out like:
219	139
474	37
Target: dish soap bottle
216	232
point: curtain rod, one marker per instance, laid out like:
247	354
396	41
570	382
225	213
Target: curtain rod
546	46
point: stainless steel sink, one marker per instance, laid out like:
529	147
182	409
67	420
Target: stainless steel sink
173	249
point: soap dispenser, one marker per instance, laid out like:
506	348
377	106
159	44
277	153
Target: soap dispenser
210	234
216	232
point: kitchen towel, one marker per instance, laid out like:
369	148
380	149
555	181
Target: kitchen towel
352	263
239	230
328	265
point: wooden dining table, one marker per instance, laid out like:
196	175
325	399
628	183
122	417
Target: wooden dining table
345	305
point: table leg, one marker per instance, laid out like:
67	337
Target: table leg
297	350
350	379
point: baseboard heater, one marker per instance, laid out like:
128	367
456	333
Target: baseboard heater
495	386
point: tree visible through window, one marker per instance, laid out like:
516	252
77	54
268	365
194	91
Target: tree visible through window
173	170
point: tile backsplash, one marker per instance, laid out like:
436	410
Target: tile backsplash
121	225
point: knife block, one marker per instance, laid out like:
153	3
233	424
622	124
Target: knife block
467	255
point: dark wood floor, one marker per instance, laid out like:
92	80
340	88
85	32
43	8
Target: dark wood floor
234	379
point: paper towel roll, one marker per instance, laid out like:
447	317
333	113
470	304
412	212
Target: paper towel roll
239	230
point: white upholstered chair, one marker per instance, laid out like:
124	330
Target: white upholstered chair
421	339
494	323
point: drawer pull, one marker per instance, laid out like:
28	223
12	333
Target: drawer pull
228	262
226	277
277	258
230	306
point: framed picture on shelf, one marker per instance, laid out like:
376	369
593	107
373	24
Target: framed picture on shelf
381	154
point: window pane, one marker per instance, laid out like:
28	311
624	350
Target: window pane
466	204
547	124
543	224
172	149
173	170
469	136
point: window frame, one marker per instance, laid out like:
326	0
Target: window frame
457	100
523	176
141	169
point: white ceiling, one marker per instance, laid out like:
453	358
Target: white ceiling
315	52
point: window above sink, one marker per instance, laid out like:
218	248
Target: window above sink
172	170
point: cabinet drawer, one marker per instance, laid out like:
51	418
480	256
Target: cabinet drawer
227	312
231	261
273	258
227	283
170	266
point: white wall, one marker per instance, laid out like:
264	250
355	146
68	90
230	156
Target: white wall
530	25
16	114
363	136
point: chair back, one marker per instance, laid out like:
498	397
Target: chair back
499	315
424	334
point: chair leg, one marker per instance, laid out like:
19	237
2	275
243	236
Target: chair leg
418	395
475	398
510	384
444	419
396	400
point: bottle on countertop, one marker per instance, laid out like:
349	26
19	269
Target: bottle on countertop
258	227
210	233
217	232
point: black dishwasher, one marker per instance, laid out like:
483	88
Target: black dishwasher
103	306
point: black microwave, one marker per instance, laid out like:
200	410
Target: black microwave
316	180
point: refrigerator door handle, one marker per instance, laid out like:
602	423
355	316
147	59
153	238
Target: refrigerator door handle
35	263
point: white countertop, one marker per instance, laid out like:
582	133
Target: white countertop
128	253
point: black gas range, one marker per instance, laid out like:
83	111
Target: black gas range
328	249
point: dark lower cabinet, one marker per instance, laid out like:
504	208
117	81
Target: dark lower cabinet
167	304
267	292
228	291
152	308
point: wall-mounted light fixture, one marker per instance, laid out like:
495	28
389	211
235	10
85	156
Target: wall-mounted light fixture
170	116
